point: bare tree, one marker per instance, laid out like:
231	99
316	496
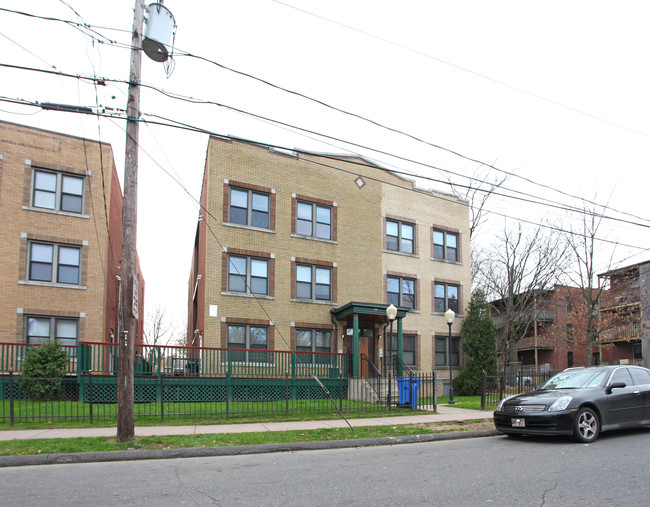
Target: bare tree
518	265
582	273
158	329
477	192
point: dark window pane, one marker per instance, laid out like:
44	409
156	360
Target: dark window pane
303	339
303	290
323	292
259	337
260	219
40	272
438	251
238	215
71	203
391	243
258	285
68	274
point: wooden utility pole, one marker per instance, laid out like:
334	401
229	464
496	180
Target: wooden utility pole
129	272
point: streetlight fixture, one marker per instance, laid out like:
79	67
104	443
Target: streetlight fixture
449	317
391	313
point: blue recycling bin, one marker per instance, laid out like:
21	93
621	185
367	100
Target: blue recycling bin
408	389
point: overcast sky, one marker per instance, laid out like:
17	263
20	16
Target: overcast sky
555	92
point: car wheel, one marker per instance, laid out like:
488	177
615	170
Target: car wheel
586	426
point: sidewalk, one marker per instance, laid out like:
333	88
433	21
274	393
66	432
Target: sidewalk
445	413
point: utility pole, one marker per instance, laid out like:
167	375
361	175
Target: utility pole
129	273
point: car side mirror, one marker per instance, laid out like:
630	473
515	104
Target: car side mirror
615	385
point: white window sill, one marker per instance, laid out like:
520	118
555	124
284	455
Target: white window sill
52	284
313	238
56	212
436	259
313	301
249	227
396	252
247	295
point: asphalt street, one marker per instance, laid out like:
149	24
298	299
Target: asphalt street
493	470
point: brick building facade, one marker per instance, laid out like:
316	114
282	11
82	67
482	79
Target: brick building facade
626	311
304	251
61	231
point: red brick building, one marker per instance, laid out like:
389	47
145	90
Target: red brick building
626	312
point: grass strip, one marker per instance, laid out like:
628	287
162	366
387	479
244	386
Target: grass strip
98	444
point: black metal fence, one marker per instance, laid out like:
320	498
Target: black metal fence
91	398
508	383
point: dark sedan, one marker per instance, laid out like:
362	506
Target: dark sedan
581	402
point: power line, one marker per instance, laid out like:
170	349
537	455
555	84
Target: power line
178	124
322	103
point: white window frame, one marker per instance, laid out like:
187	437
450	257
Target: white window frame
247	342
250	210
247	275
445	245
55	262
313	282
401	293
313	221
446	297
400	236
58	193
52	332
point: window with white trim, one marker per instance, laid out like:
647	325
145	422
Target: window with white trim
409	348
446	297
400	291
57	191
51	262
400	236
251	337
248	275
248	207
314	340
40	329
445	245
313	282
314	220
442	356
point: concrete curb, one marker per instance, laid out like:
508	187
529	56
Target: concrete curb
199	452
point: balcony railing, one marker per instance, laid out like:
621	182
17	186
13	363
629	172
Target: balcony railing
101	359
625	332
12	356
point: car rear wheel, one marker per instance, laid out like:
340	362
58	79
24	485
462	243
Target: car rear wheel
586	427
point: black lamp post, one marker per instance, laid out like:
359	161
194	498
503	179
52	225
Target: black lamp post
391	313
449	317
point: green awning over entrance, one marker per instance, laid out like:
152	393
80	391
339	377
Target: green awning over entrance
373	312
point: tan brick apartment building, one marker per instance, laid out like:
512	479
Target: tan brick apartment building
304	251
61	239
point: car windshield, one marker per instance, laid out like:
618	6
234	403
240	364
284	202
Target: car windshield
575	379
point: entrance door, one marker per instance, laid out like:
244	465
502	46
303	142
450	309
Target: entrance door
364	348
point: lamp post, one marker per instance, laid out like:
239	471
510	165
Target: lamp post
449	317
391	313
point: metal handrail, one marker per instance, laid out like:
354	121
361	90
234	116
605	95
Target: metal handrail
400	362
374	381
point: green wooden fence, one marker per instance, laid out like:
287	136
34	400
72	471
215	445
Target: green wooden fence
169	360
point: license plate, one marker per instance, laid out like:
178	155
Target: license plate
518	423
